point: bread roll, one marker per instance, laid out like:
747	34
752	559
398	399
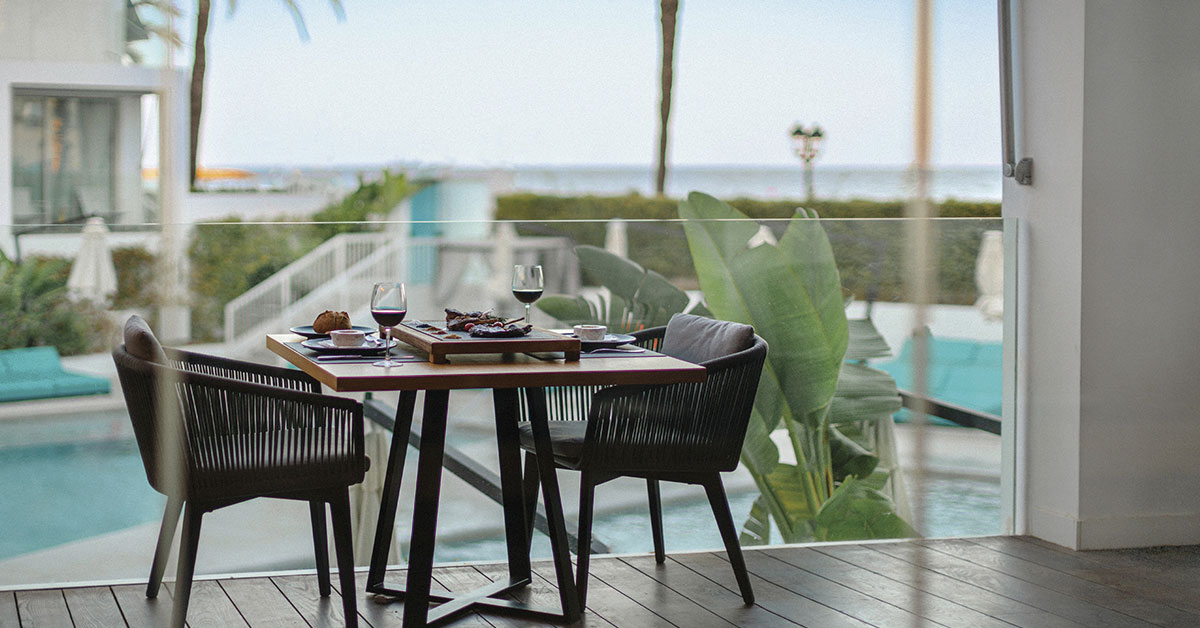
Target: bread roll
329	320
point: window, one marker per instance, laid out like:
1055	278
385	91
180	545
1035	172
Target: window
65	158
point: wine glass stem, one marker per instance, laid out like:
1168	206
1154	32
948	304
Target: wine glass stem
387	351
527	319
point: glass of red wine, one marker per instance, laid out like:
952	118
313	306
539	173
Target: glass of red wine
389	305
527	286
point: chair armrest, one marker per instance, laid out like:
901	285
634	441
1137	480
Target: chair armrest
677	427
241	370
215	411
650	338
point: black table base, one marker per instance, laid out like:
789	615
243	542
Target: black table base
416	594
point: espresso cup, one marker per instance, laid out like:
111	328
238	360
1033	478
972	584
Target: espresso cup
347	337
590	333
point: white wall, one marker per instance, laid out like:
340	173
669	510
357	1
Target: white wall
1110	401
102	77
91	31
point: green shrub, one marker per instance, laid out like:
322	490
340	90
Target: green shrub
36	311
137	269
871	256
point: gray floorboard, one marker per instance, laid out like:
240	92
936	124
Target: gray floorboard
992	582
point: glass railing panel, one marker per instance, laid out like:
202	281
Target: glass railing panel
84	493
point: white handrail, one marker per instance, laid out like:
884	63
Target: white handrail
278	292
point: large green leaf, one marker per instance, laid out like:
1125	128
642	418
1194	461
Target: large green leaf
848	457
637	298
760	454
788	490
570	310
865	341
864	394
856	511
790	293
757	529
620	275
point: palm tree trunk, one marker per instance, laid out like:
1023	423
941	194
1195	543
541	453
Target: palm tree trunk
197	91
668	10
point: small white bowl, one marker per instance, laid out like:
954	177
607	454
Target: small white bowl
590	333
347	337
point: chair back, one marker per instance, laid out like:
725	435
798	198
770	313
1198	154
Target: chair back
682	427
218	428
156	417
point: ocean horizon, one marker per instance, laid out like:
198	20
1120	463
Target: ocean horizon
967	183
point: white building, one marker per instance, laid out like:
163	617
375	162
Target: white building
80	117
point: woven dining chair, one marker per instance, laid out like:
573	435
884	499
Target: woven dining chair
214	432
687	433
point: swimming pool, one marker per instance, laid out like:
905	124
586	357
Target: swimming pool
72	478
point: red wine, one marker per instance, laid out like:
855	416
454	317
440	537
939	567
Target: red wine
388	317
527	296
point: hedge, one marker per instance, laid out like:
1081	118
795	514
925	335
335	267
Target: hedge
870	254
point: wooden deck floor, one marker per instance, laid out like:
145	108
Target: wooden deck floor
984	582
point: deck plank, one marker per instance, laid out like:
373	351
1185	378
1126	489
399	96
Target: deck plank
992	582
716	598
45	608
209	606
381	613
304	596
8	610
770	596
261	604
648	592
966	594
1116	572
1078	588
829	592
936	609
140	612
93	607
1014	588
615	607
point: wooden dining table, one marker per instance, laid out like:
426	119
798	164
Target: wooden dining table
508	375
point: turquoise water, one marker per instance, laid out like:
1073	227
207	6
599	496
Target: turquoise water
58	492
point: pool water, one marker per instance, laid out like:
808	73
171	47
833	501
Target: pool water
55	493
66	479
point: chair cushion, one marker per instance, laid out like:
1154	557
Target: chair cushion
566	437
697	339
140	341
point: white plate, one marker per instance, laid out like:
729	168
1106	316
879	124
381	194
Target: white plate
325	345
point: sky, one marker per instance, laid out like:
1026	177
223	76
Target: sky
512	82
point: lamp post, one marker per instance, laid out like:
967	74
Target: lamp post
806	142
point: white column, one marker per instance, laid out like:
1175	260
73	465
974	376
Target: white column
1107	357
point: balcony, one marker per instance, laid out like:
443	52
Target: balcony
981	581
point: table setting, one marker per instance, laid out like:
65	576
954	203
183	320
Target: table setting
470	350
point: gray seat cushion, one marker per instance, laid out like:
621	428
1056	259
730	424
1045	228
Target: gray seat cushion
140	341
698	339
566	437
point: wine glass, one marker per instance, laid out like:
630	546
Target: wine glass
527	285
389	305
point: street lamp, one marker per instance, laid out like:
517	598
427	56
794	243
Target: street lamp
806	142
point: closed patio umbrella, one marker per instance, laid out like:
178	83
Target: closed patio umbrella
616	237
989	276
93	275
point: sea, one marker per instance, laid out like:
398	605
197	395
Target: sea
968	183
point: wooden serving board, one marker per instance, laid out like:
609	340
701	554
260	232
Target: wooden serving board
439	346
